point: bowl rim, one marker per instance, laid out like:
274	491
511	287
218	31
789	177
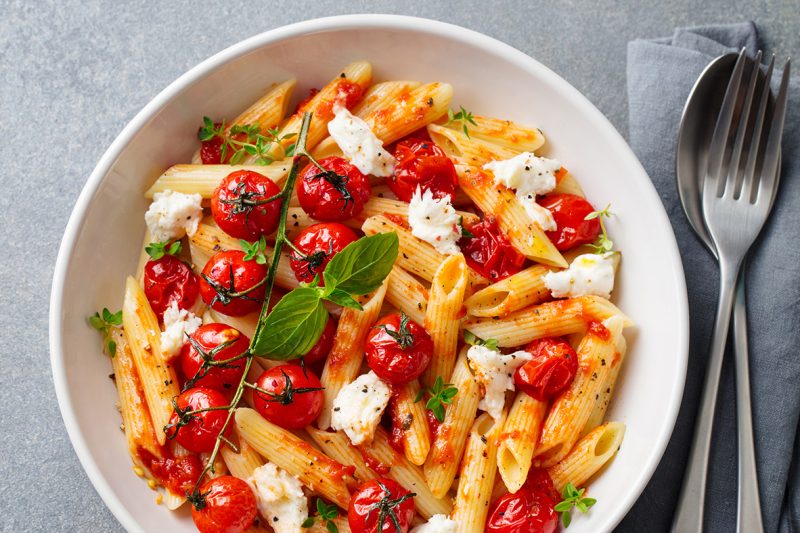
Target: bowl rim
338	23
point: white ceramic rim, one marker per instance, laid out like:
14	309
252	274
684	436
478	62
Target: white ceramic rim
341	22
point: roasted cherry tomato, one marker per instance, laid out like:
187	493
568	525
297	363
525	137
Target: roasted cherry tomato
228	506
526	511
335	194
539	480
239	205
232	285
178	473
198	432
551	370
168	280
318	243
489	252
323	346
420	163
569	211
398	349
294	396
211	150
219	342
377	498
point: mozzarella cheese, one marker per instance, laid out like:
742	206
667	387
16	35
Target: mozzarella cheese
359	406
589	274
529	176
177	324
173	215
435	221
280	498
359	144
495	372
438	523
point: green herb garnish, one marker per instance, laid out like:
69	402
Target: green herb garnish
326	513
463	116
473	340
441	394
157	250
603	243
104	322
255	143
255	251
572	498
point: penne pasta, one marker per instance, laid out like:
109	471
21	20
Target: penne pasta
518	440
204	179
588	456
413	422
504	133
243	463
510	294
407	294
607	388
567	184
467	150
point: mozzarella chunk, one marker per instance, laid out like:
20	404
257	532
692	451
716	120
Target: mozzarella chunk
495	372
589	274
173	215
438	523
359	144
280	498
178	323
358	407
435	221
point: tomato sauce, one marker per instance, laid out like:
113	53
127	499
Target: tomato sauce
373	463
348	94
178	474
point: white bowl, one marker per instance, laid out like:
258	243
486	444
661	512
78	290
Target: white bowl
101	242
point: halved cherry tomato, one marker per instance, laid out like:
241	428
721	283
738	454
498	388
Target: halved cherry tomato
319	243
239	205
178	473
335	194
569	211
168	280
489	252
207	342
232	285
211	151
294	396
228	506
377	495
420	163
198	432
551	370
526	511
323	346
398	349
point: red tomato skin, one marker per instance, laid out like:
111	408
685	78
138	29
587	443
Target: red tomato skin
304	408
539	480
526	511
324	240
569	211
257	220
230	506
391	362
177	473
211	151
324	345
489	251
209	336
360	518
168	280
420	163
551	370
246	274
321	199
200	434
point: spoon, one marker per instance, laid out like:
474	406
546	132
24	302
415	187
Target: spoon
694	137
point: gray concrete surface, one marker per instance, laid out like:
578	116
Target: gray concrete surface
72	73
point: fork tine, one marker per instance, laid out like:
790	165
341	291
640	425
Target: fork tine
722	130
735	178
769	169
748	186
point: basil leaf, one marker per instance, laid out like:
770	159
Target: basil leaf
293	327
340	297
363	265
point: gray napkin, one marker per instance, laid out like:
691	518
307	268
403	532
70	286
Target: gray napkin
660	76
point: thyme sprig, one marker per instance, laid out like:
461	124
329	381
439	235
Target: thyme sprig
441	394
255	251
247	140
386	508
157	250
462	116
326	513
105	322
603	243
572	498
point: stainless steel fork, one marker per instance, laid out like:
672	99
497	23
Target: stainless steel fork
737	196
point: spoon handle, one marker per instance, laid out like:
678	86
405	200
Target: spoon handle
748	519
689	514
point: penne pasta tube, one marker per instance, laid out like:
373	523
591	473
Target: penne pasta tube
510	294
504	133
336	445
567	184
518	440
144	257
588	456
413	422
407	294
342	525
396	208
244	463
204	179
313	468
410	111
607	389
467	150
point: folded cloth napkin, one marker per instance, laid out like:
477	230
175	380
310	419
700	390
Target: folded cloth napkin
660	75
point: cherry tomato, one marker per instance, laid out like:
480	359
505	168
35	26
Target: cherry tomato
551	370
231	285
319	243
296	397
229	506
420	163
569	211
211	151
526	511
333	195
207	341
168	280
398	349
323	347
178	473
539	480
489	252
198	432
374	496
239	206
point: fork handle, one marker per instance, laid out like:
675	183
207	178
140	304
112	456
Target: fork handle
748	519
689	514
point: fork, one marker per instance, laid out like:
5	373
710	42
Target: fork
736	203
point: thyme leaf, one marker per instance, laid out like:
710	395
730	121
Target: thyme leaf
105	322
